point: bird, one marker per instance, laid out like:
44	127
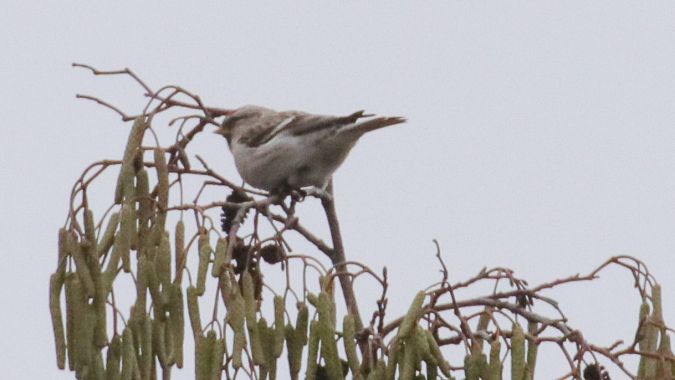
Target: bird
290	150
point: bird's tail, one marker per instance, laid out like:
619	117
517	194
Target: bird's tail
376	123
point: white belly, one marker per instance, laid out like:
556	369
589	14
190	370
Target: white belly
289	161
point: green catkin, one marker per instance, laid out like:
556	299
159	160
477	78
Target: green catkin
236	318
641	337
408	361
179	244
410	319
475	365
159	342
125	235
102	286
313	350
378	373
419	339
128	355
517	353
77	345
147	345
177	322
204	256
327	333
432	371
193	311
495	365
82	269
145	209
393	358
436	352
55	284
169	345
108	237
162	188
113	359
64	250
649	338
313	299
279	308
326	310
251	323
349	340
219	261
532	347
90	230
296	339
126	177
665	367
267	343
72	293
97	367
141	282
85	340
153	287
203	355
163	261
217	359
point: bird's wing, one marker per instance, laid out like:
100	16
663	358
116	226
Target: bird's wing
306	124
295	123
266	127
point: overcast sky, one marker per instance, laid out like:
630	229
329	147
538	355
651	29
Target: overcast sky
541	135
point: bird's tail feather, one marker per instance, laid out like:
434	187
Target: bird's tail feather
376	123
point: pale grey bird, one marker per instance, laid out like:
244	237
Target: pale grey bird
281	151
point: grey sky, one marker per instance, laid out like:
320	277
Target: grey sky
540	135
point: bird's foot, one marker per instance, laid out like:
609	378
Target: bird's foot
319	193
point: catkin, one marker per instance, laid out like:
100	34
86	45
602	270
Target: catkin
108	237
125	235
82	268
409	361
517	353
251	323
179	245
162	188
436	352
163	261
193	311
203	355
279	308
64	250
176	322
495	365
219	261
55	285
393	359
145	208
410	319
132	150
217	359
204	256
532	347
236	318
146	337
313	350
159	342
349	340
90	230
113	359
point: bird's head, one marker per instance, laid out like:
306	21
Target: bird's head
239	117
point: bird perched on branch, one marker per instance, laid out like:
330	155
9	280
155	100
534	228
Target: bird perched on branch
282	151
